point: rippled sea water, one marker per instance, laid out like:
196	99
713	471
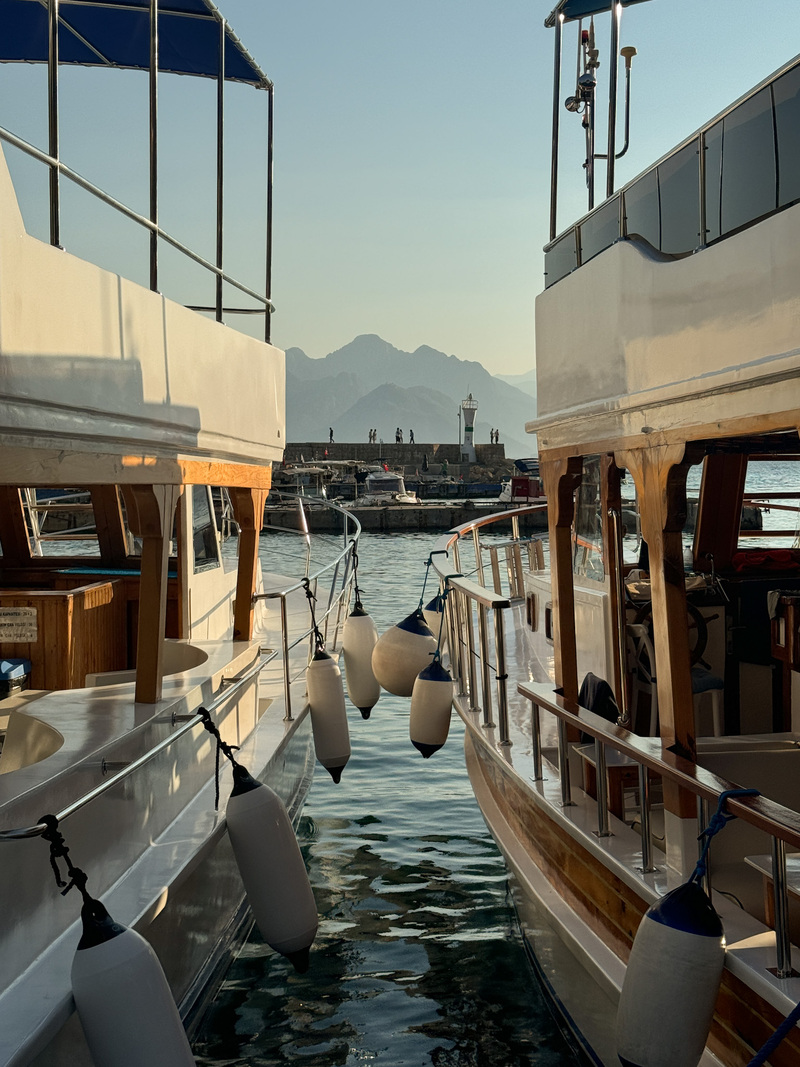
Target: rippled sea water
418	960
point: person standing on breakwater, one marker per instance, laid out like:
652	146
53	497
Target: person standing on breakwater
411	437
330	435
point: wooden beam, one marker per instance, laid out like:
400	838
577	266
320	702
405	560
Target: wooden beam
719	510
13	529
561	478
152	521
248	510
109	524
660	476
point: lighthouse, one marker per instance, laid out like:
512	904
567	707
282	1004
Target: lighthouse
468	408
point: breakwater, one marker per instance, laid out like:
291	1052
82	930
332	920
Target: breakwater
397	518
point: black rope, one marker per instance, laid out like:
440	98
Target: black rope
319	644
359	605
222	746
60	851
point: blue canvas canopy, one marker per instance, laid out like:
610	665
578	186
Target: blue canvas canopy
116	33
580	9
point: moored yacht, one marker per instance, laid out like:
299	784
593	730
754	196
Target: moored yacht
619	681
137	644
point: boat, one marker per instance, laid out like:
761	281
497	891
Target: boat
623	681
139	647
383	488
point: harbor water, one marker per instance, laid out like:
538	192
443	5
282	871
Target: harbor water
418	959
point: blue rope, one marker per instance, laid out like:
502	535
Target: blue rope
718	820
769	1046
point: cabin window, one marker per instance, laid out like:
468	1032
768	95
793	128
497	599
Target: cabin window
786	92
642	217
600	230
61	522
679	184
748	162
587	529
771	512
561	258
204	530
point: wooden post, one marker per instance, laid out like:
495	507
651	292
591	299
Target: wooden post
13	530
248	510
151	519
108	522
561	478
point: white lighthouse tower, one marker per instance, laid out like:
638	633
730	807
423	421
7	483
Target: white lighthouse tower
468	409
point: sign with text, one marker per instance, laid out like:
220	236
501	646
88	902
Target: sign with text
18	624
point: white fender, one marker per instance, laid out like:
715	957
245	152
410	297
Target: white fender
672	982
328	714
402	652
125	1006
433	612
272	868
431	704
359	637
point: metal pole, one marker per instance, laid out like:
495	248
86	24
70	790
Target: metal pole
613	49
454	642
154	143
473	681
556	116
702	819
536	743
486	676
502	676
622	618
287	682
644	811
563	764
703	218
602	788
781	899
52	120
270	134
220	160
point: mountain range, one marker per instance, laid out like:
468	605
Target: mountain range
370	383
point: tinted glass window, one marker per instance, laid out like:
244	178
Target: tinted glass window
641	210
748	162
600	230
786	93
713	181
560	259
679	189
204	529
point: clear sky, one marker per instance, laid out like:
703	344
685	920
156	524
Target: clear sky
412	152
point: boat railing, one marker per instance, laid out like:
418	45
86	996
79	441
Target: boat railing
339	572
329	585
702	191
266	307
479	665
650	754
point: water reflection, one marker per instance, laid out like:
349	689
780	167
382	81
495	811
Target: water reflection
417	960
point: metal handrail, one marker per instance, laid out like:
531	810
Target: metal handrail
134	216
334	601
468	596
228	688
780	823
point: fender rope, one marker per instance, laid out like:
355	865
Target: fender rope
319	644
60	851
222	746
717	822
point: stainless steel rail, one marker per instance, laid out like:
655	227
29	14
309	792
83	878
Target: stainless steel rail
61	168
223	695
781	823
228	689
486	681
